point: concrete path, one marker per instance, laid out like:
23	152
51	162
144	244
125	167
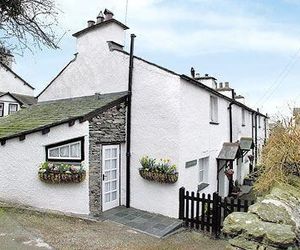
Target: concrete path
149	223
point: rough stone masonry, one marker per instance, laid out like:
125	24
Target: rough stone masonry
107	128
271	223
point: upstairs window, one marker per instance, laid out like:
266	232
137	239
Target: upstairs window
213	110
12	108
1	109
243	118
72	150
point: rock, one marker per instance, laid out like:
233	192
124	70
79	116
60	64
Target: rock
241	243
235	223
271	213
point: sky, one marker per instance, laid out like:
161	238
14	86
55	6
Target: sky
252	44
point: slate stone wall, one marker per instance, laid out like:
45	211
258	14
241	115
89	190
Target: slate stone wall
107	128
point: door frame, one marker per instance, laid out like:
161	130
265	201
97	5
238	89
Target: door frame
117	201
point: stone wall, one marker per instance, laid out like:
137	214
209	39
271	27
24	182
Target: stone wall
271	223
107	128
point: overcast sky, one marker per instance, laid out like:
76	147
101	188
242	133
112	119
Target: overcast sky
253	44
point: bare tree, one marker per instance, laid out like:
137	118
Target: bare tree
25	24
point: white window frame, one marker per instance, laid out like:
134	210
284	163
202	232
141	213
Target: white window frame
243	117
12	105
70	158
2	110
203	164
214	114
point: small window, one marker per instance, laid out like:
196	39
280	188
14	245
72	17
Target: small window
12	108
1	109
243	118
203	169
66	151
213	109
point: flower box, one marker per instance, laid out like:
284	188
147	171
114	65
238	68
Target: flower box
161	171
159	177
52	177
61	173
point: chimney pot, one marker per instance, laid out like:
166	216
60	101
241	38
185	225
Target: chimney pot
108	14
100	17
226	84
91	23
206	75
193	72
221	85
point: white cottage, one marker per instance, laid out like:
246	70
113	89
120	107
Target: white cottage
15	92
197	123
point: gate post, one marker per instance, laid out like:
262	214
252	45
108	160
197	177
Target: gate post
181	203
216	219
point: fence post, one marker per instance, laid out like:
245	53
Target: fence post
216	220
181	203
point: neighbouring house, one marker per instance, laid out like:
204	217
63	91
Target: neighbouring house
15	92
90	113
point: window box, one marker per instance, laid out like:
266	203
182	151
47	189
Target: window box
162	172
61	173
158	177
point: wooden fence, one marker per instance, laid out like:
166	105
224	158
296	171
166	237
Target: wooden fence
207	212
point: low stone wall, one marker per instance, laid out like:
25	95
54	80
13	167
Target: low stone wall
271	223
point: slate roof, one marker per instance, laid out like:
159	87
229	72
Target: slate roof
229	151
24	100
246	143
48	114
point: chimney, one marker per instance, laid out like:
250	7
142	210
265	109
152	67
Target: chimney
100	17
240	99
220	85
108	14
6	57
91	23
226	85
192	72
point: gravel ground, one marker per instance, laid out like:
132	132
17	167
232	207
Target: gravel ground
23	229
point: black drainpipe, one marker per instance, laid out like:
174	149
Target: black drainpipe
255	131
230	121
128	132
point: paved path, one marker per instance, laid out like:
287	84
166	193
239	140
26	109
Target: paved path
149	223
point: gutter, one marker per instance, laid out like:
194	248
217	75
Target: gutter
128	130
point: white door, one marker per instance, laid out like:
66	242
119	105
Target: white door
110	177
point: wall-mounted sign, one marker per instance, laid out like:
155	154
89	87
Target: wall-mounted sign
189	164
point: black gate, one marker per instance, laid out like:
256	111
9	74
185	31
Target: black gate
207	212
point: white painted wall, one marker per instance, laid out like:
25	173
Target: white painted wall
6	100
10	83
19	166
96	67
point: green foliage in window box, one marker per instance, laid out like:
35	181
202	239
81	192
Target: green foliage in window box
161	171
61	173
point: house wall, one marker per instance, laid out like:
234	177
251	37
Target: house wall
95	65
107	128
10	83
154	132
6	100
19	166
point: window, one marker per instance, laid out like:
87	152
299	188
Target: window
12	107
213	109
259	122
203	169
71	150
243	117
1	109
